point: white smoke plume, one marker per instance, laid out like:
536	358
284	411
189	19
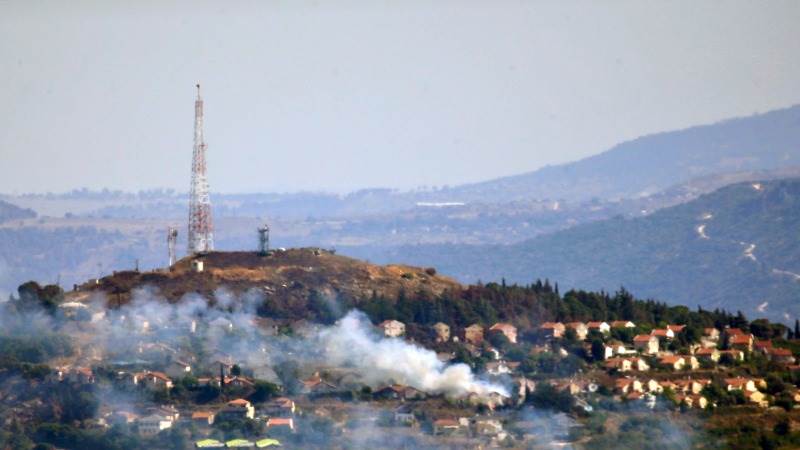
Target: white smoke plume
352	342
228	324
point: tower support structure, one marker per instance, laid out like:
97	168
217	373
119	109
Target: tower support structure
201	228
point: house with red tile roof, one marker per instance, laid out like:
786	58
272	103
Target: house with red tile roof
663	333
602	327
553	329
280	422
645	343
708	354
741	341
676	328
739	384
508	330
153	380
678	362
781	355
735	354
203	418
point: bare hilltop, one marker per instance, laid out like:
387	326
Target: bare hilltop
284	275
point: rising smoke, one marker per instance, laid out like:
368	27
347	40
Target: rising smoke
352	342
229	326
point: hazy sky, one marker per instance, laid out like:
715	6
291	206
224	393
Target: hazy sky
343	95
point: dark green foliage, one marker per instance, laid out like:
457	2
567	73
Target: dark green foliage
34	348
547	397
264	391
598	350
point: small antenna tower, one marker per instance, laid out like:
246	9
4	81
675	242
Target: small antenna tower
201	229
263	240
172	239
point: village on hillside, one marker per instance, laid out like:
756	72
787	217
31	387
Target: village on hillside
173	381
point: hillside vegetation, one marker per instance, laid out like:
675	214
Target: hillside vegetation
737	248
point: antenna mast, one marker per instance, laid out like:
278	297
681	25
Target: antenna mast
263	240
172	239
201	229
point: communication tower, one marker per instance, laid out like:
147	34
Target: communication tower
201	228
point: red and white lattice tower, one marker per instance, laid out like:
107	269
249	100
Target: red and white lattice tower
201	229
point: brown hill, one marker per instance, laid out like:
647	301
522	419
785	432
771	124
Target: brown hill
286	276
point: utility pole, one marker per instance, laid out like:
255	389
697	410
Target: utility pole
172	239
263	240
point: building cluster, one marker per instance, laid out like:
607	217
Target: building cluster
645	367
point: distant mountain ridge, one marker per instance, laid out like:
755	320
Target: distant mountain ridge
654	162
736	248
10	211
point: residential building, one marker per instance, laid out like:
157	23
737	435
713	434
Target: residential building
153	424
473	334
508	330
734	354
690	386
392	328
741	341
602	327
281	407
663	333
203	418
286	423
581	330
153	380
711	334
622	324
676	328
553	330
239	408
739	383
442	331
647	344
315	385
178	369
673	362
781	355
618	364
756	397
627	385
446	427
708	354
488	427
653	385
692	400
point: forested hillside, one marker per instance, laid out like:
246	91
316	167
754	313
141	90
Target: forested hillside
736	248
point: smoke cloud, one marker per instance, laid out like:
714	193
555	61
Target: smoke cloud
228	327
352	342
